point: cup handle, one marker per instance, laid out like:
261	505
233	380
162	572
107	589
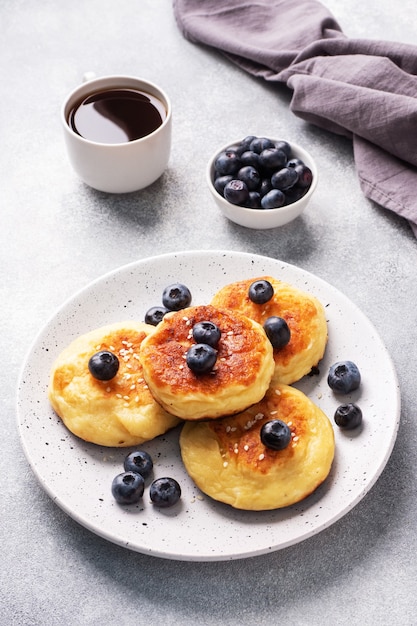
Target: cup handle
88	76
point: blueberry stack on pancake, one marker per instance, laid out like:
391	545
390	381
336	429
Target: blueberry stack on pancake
229	462
302	312
239	377
118	412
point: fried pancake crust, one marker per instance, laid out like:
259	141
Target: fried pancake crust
303	313
228	462
240	377
117	413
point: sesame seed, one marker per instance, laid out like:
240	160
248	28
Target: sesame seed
261	457
296	438
289	424
111	347
137	399
127	376
139	380
246	447
119	395
228	429
274	412
133	386
108	389
277	391
126	398
225	464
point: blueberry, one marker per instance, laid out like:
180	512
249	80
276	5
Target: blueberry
165	492
245	143
294	161
284	178
261	143
294	194
284	146
344	377
250	158
201	358
265	187
103	365
227	162
261	291
273	199
236	192
155	314
128	487
272	159
220	182
277	331
250	177
206	332
254	200
305	176
348	416
176	297
140	462
275	434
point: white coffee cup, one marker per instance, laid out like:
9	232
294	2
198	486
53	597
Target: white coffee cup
118	167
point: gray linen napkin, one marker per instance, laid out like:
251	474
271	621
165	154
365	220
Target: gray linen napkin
363	89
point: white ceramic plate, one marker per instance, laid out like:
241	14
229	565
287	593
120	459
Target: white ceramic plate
77	475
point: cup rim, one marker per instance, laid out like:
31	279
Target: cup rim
117	78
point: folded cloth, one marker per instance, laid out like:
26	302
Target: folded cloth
362	89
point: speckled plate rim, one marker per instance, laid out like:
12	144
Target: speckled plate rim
77	475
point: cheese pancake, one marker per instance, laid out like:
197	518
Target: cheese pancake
239	378
228	461
303	313
118	413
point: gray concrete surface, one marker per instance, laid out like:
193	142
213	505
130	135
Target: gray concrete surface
57	235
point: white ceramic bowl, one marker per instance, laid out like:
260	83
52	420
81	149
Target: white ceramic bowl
263	218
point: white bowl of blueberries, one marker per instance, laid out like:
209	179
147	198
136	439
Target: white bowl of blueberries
259	182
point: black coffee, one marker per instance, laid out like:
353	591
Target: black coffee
117	116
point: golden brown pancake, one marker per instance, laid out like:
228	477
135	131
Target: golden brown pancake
303	313
118	413
228	462
240	377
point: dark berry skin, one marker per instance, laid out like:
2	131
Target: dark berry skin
165	492
176	297
236	192
206	332
227	162
260	291
250	158
277	331
284	146
275	434
103	365
284	178
250	177
155	314
220	182
128	487
272	159
344	377
261	143
254	200
140	462
274	199
348	416
305	176
201	358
